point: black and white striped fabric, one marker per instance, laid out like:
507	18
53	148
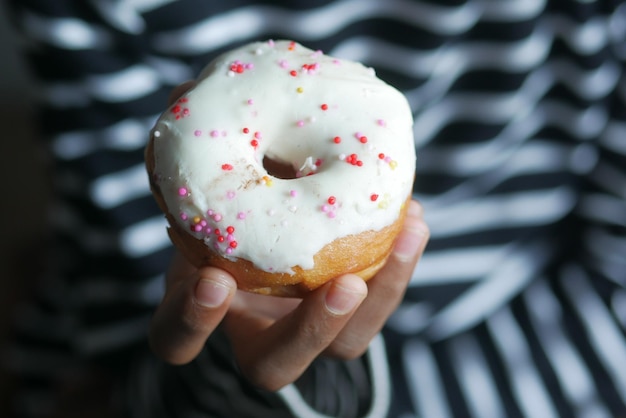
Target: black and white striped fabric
518	307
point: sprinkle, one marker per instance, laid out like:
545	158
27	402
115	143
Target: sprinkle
337	140
324	106
230	195
217	217
283	63
230	237
300	123
196	219
293	193
233	244
257	135
332	200
245	130
197	132
393	164
241	215
182	191
227	167
183	216
381	122
254	143
381	156
293	73
325	208
230	229
214	133
250	102
229	250
268	181
363	139
331	214
292	46
299	89
156	134
374	197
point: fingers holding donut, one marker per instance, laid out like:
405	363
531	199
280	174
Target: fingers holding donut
338	319
273	353
386	289
195	302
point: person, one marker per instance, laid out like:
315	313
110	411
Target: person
518	304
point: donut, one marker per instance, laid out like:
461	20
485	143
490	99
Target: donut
285	167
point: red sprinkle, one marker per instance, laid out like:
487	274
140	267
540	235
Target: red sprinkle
363	139
324	106
332	200
337	140
217	231
221	238
227	167
374	197
254	143
233	244
245	130
230	229
293	73
381	156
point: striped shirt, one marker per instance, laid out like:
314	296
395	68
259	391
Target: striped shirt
518	306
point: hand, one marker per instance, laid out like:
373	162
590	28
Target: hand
275	339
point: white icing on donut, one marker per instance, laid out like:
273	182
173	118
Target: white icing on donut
346	133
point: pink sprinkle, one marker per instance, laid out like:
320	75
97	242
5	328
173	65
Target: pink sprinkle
214	133
229	250
182	191
203	223
230	195
270	42
197	132
325	208
387	159
230	237
217	217
300	123
210	212
197	228
283	64
293	193
331	214
183	216
241	215
257	135
249	66
358	135
381	122
250	101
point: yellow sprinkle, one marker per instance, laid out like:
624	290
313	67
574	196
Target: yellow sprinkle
393	164
196	219
299	89
268	181
383	205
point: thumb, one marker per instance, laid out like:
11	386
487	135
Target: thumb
189	313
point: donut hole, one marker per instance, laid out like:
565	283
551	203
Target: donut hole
279	169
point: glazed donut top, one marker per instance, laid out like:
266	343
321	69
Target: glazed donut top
345	134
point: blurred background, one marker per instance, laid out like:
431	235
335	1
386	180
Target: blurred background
24	187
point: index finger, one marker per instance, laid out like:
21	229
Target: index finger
386	289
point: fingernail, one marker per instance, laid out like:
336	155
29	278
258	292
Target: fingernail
344	297
410	240
211	293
